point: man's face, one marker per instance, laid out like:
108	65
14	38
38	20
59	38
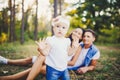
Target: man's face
88	38
60	30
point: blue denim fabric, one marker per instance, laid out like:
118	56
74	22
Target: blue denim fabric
91	52
74	68
53	74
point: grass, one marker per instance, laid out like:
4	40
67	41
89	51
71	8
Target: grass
108	66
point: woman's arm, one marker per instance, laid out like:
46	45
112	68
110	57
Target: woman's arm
73	48
75	57
36	68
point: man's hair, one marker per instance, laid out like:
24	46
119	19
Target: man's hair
91	31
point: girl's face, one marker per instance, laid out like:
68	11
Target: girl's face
88	38
77	34
60	30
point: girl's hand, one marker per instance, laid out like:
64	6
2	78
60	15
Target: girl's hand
43	47
42	44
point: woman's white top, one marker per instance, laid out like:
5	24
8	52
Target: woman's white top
58	55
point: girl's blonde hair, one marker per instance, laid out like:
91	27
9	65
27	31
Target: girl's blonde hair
62	20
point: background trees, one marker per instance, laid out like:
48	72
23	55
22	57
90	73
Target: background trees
20	23
102	16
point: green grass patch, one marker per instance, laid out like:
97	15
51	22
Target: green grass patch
108	66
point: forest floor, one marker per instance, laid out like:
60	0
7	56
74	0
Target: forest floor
108	66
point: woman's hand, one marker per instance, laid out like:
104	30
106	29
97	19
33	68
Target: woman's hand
73	48
75	42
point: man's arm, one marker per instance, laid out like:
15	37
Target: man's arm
91	67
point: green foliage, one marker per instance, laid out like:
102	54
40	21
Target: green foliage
4	21
109	36
72	12
102	16
18	30
42	34
77	22
26	36
3	38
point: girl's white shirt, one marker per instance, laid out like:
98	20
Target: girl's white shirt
58	54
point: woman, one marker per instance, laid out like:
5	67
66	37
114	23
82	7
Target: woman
39	66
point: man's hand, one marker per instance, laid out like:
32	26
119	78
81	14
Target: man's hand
82	70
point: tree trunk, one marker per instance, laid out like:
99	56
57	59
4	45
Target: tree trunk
36	22
60	7
22	25
55	12
11	29
12	35
55	8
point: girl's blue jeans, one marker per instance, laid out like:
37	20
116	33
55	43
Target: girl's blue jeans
53	74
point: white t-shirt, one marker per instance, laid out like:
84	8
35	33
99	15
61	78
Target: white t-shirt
70	57
58	55
81	57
